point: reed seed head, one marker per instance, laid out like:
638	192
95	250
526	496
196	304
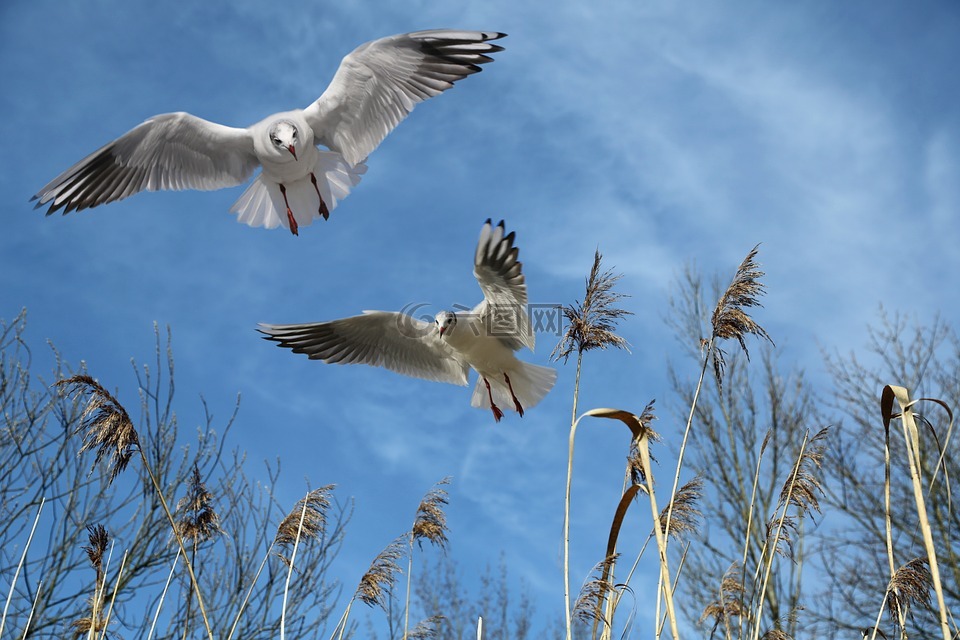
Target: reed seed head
381	577
729	604
910	585
729	319
198	519
99	539
685	515
589	605
105	425
638	475
429	628
431	521
313	510
803	488
593	323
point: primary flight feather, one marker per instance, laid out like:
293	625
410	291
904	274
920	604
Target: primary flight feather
483	339
375	87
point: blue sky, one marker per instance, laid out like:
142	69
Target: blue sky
665	133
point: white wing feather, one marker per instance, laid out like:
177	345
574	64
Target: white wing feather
380	82
172	151
386	339
500	276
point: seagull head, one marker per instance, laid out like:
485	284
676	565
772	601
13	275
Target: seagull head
446	321
285	135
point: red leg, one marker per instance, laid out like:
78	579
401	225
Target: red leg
516	403
497	414
290	218
323	205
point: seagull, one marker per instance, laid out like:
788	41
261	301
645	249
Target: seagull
483	339
376	86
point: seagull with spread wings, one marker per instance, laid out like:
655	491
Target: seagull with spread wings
483	339
376	86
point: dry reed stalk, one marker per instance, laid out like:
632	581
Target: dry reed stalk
728	321
379	579
312	509
748	538
591	325
113	596
310	515
163	594
33	609
799	491
430	524
911	436
107	428
23	559
638	426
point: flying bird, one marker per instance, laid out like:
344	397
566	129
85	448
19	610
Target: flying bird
376	86
483	339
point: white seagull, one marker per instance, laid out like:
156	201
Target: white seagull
376	86
483	339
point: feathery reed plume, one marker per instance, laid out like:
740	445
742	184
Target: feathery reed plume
99	539
803	485
430	524
313	510
198	520
910	585
729	319
729	604
789	621
589	606
593	323
431	521
638	475
381	577
780	532
105	424
686	515
429	628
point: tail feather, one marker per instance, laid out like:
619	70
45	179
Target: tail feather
530	382
262	205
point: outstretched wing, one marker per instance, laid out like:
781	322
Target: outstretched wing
170	151
504	308
380	82
395	341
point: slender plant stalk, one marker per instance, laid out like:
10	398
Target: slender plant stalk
16	574
748	538
179	538
566	502
113	596
911	437
246	598
683	447
776	538
406	605
98	593
33	608
163	594
661	542
293	558
342	624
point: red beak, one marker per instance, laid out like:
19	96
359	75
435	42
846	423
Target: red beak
292	151
442	329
